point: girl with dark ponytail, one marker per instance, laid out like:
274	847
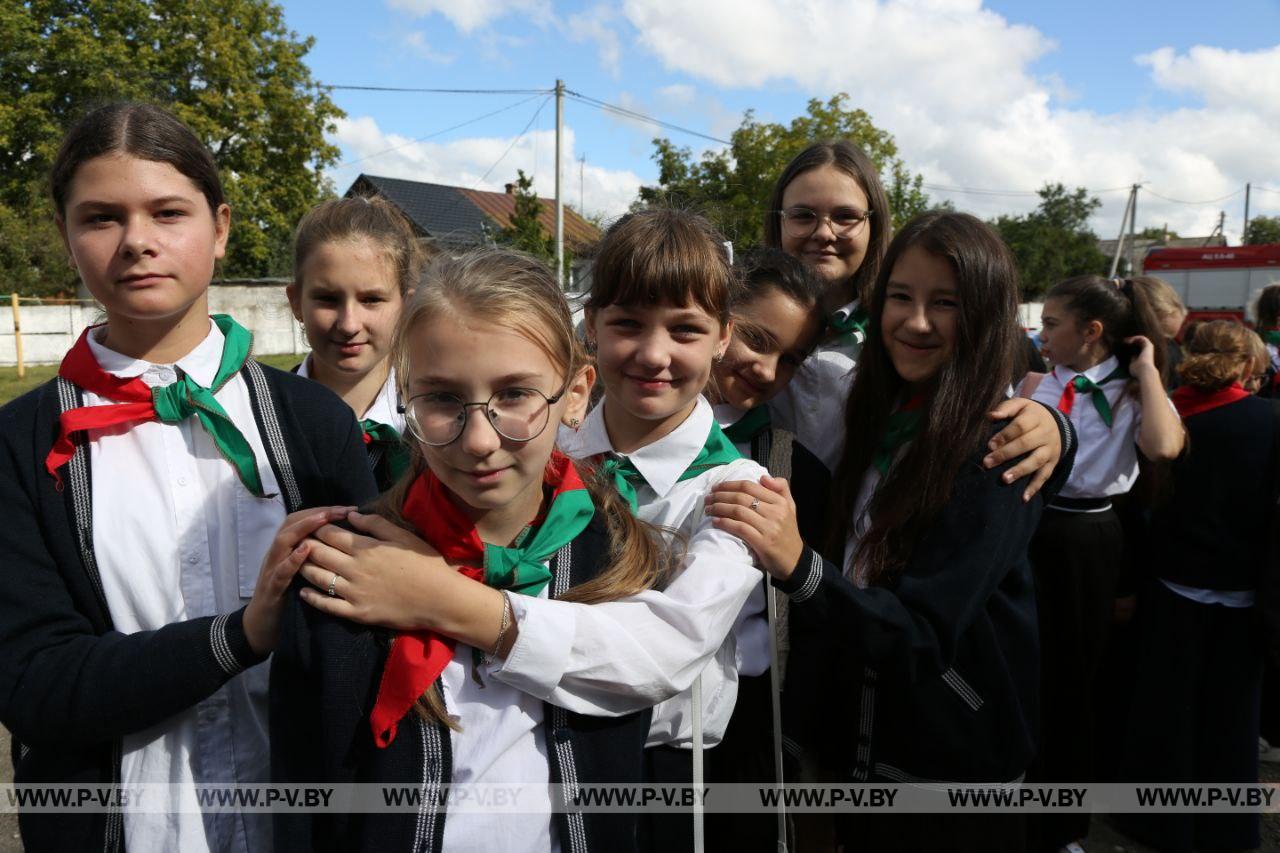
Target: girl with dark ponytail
1105	340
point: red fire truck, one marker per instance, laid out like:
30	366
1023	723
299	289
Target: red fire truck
1217	282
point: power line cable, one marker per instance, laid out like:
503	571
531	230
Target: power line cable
433	135
345	88
1206	202
632	114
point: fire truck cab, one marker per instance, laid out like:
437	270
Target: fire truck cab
1217	282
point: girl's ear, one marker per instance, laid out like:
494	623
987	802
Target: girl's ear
1093	331
578	396
221	230
726	334
294	292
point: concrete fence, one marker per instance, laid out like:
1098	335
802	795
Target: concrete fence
49	330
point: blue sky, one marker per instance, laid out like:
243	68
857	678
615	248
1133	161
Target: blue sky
1003	95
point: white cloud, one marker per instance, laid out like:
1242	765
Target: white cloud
416	41
471	15
465	162
597	25
954	84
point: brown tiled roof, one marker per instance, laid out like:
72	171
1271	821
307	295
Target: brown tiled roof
579	234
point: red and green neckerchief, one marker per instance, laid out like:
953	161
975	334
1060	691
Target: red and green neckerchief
903	425
135	402
718	450
418	657
1082	384
749	425
388	438
1190	401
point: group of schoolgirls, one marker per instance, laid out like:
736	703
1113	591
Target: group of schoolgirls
518	589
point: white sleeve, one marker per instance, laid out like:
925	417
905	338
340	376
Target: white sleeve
621	656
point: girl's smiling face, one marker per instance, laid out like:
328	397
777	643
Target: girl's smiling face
921	312
773	333
142	237
654	361
827	191
347	298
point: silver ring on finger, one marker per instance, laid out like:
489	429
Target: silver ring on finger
332	583
755	505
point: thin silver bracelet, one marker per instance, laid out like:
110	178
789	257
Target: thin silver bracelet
507	617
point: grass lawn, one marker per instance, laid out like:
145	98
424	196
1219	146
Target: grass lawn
11	386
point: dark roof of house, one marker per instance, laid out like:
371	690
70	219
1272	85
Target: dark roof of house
460	217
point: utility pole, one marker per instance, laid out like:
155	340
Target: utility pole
1133	224
559	196
1244	230
1128	206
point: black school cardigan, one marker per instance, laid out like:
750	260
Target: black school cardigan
70	685
936	677
1214	531
324	683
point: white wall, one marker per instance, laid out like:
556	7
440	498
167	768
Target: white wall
48	331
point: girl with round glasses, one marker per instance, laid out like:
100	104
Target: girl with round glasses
830	210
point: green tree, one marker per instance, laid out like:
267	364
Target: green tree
733	186
525	231
1262	229
1054	241
232	71
1153	233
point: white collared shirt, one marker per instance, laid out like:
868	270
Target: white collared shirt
752	628
622	656
385	407
177	536
1106	457
501	741
813	403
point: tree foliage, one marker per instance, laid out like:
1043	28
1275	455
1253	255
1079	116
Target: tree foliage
1262	229
232	71
525	231
1053	241
732	186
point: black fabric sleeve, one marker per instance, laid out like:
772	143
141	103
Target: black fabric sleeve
60	682
913	628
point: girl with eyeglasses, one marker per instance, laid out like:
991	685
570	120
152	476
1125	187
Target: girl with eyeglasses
355	261
392	665
830	210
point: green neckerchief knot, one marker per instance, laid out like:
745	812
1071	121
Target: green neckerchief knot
853	324
903	425
521	567
749	425
718	450
181	399
1272	336
387	437
1085	385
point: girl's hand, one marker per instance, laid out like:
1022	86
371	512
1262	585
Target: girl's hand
1033	432
1146	357
764	516
383	575
287	552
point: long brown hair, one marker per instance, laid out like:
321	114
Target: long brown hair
512	290
854	162
955	421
